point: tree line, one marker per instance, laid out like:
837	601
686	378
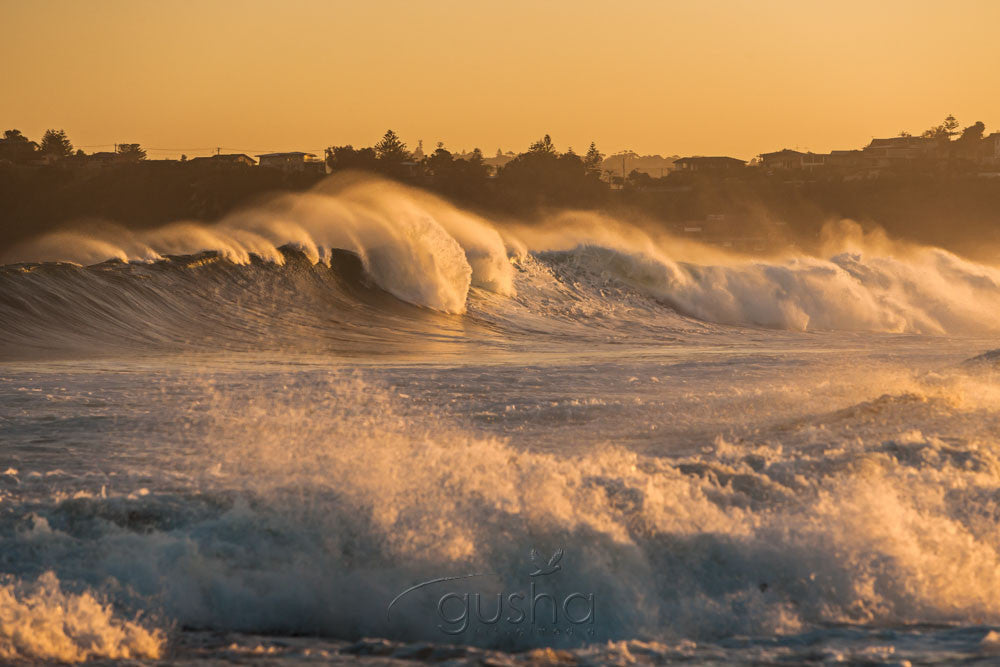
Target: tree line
540	176
909	203
55	145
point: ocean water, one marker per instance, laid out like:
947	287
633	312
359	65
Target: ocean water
362	425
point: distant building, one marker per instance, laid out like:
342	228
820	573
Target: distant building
292	161
102	159
499	160
708	164
231	159
991	149
418	154
786	158
896	151
657	166
845	159
812	161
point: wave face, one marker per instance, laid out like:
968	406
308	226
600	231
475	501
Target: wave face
341	265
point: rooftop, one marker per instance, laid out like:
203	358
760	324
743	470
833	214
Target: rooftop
224	156
288	154
902	142
695	158
783	151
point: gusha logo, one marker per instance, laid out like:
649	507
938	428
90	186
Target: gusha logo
519	613
544	568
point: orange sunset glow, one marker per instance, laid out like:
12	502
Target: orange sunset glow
499	333
729	78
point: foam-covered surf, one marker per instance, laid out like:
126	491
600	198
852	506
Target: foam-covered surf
302	504
288	274
363	424
40	621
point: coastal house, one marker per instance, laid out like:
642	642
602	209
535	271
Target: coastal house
897	151
991	149
698	163
850	163
101	159
235	159
848	159
812	161
292	161
783	159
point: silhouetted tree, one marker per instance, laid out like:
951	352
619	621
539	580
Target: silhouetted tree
391	148
951	125
131	152
638	179
969	145
56	144
945	130
593	159
543	145
542	177
439	163
464	179
347	157
974	132
16	147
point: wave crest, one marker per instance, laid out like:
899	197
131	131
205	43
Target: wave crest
429	253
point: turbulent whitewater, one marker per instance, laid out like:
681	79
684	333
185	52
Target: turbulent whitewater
287	436
319	262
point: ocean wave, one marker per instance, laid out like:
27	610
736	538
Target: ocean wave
319	265
413	245
830	520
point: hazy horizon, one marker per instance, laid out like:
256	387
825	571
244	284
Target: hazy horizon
371	409
721	78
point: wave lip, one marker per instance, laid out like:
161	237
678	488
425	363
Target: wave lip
604	278
413	245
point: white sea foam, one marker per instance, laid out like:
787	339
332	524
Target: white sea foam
40	621
314	504
428	252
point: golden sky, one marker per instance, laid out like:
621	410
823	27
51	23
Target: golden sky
694	77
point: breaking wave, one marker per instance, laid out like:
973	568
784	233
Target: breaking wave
347	260
316	534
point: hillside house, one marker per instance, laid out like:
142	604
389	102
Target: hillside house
234	159
292	161
708	164
991	149
783	159
898	151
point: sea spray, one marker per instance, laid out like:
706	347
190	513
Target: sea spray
41	622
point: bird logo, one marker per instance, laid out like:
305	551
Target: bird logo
541	567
